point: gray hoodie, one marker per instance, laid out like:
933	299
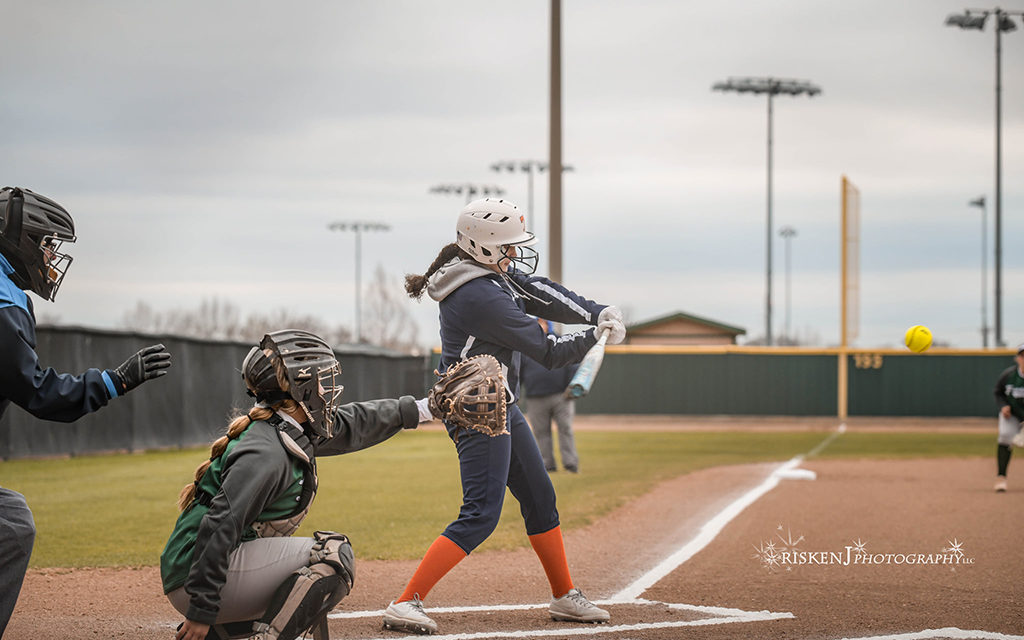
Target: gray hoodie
483	312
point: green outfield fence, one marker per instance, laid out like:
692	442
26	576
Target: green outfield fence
795	381
191	405
788	381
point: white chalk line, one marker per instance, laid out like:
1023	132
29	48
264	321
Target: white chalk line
945	632
595	629
715	611
631	594
708	532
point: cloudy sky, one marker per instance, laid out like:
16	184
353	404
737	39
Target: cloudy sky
204	147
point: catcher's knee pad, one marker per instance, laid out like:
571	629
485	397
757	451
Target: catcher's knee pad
311	591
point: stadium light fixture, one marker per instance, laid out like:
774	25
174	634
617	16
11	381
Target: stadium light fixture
468	188
529	167
975	19
967	20
770	87
358	228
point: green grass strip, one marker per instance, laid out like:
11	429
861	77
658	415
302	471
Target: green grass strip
394	499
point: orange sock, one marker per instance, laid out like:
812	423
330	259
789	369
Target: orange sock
439	559
551	551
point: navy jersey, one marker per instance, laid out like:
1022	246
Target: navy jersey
42	392
483	313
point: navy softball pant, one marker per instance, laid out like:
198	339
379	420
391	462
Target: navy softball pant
487	466
17	533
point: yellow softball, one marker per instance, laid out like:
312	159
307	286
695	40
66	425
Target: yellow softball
918	338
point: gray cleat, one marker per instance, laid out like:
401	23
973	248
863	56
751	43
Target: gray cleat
574	607
409	616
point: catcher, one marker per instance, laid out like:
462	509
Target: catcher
231	564
484	289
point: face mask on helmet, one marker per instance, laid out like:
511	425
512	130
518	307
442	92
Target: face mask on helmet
524	259
296	365
33	229
55	263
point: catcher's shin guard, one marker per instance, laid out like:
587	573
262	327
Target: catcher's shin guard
310	592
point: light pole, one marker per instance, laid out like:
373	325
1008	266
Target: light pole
787	234
555	144
980	203
771	87
358	228
469	188
975	19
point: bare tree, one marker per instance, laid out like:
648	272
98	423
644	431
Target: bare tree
221	320
257	324
387	321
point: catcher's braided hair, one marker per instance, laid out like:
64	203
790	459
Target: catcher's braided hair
414	284
235	428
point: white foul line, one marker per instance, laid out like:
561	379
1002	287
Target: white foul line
945	632
707	533
714	526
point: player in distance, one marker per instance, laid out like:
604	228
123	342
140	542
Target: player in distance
487	299
1009	394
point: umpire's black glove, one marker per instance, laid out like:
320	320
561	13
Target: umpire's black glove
150	362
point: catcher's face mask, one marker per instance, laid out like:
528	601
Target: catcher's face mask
312	372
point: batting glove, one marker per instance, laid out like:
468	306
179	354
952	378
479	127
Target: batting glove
609	313
610	319
150	362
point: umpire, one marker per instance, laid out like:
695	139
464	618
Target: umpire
547	400
32	230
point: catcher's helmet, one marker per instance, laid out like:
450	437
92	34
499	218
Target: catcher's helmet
296	365
32	229
488	225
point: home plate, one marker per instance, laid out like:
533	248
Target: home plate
798	474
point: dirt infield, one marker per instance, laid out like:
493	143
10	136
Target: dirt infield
867	548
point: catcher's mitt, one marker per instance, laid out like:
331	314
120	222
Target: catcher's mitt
471	393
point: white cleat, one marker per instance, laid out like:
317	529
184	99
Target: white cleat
574	607
1000	484
408	616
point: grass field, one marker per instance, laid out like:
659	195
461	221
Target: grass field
394	499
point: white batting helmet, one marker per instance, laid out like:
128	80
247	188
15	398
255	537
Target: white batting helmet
489	225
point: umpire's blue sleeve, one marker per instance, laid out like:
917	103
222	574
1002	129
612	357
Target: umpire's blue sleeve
45	393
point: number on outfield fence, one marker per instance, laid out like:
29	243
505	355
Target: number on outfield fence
867	360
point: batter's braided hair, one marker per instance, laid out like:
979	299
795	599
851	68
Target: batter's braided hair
414	284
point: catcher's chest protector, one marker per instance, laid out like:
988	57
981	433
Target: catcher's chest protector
297	443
